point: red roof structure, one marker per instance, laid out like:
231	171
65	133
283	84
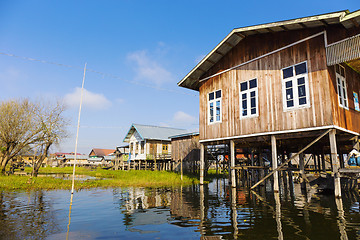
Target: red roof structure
101	152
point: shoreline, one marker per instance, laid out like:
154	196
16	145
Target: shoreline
107	179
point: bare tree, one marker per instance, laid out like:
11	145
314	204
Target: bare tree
52	125
27	126
18	129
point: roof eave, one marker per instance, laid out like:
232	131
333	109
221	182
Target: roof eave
127	136
206	58
191	80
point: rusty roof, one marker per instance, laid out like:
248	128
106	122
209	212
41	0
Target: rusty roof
102	152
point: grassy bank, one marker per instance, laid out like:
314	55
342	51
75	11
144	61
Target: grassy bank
111	179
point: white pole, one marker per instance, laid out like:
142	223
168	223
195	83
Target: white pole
76	144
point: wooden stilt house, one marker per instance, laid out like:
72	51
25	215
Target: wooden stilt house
150	142
281	85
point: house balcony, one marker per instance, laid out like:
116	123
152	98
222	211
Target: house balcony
345	51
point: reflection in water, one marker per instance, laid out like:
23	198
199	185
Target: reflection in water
191	212
26	215
278	216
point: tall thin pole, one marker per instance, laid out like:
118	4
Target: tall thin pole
76	144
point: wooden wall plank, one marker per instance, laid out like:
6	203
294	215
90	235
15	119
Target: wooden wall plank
272	117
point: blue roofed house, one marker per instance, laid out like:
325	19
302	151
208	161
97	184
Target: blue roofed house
150	142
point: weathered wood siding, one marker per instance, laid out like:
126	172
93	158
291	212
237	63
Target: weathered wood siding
345	118
267	70
183	146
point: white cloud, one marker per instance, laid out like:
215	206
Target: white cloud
120	100
181	117
91	100
149	69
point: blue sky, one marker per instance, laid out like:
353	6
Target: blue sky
143	47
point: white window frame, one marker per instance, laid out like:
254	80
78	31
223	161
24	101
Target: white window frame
214	101
341	87
248	98
294	80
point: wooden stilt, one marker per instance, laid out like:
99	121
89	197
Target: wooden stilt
335	163
261	163
287	161
302	170
202	163
274	163
232	163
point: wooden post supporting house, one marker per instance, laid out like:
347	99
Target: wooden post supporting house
232	163
302	170
335	163
274	163
202	163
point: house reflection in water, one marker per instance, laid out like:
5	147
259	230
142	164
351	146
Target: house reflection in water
230	213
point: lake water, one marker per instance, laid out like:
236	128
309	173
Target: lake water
192	212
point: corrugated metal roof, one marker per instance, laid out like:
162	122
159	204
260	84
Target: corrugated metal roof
153	132
185	135
77	156
95	159
191	80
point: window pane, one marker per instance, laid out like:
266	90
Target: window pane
252	94
301	90
244	104
243	86
341	101
253	83
344	94
211	96
288	84
337	68
253	111
339	91
289	94
301	81
302	101
243	96
300	68
342	71
217	110
290	103
211	112
288	72
244	113
252	103
218	94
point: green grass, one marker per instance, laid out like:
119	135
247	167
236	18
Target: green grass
112	178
